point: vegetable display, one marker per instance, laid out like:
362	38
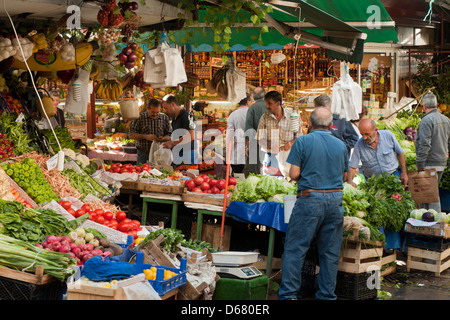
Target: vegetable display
197	245
84	183
172	237
33	225
65	138
59	183
23	255
28	175
81	245
15	132
259	188
390	204
205	184
6	148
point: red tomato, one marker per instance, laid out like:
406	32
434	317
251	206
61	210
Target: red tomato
132	233
100	219
204	176
215	190
232	181
108	215
221	184
191	185
136	224
212	182
117	170
79	213
86	207
71	211
120	215
197	190
198	180
125	226
65	204
99	212
204	186
114	222
92	216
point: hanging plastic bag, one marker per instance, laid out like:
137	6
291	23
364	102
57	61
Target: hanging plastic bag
79	107
151	155
163	156
283	165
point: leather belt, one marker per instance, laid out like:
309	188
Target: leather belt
307	192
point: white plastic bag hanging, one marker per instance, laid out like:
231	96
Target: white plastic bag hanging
163	156
79	107
283	165
151	154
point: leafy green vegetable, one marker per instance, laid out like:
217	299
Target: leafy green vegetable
172	237
258	188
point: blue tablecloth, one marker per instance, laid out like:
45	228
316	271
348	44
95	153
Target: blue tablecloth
270	214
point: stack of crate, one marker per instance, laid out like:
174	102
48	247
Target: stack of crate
428	248
359	268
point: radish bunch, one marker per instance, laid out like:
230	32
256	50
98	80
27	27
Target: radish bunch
79	244
6	148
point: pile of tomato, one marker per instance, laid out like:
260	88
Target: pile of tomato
118	167
117	221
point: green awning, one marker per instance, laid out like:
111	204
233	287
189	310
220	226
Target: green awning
331	20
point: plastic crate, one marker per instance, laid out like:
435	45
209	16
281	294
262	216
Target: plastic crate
427	242
353	286
160	285
444	197
12	289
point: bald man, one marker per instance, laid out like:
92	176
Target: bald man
319	162
379	152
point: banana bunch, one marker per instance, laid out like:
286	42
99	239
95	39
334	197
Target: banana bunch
109	90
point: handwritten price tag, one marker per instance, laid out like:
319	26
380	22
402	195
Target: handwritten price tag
52	163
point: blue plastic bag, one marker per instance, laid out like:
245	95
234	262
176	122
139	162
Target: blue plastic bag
99	269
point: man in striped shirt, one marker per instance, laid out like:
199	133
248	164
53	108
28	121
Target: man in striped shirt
274	132
151	126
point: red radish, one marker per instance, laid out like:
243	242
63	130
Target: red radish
64	249
73	245
38	245
51	239
67	239
76	251
89	247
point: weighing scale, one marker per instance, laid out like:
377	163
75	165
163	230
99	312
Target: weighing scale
236	271
236	264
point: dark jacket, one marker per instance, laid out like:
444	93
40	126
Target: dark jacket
432	140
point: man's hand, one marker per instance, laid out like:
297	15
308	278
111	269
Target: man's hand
168	145
287	146
404	179
150	137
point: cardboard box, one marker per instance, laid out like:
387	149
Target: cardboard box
424	186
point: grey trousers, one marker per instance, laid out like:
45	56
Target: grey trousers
433	205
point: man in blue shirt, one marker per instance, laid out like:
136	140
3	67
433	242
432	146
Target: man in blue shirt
319	162
379	152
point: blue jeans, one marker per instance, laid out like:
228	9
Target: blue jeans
319	216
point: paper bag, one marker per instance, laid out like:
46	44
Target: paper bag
424	186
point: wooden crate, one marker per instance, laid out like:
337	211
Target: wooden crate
360	256
205	199
388	259
131	185
38	277
428	260
84	292
438	230
211	234
160	188
154	255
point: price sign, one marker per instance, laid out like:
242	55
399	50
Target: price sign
20	118
52	163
